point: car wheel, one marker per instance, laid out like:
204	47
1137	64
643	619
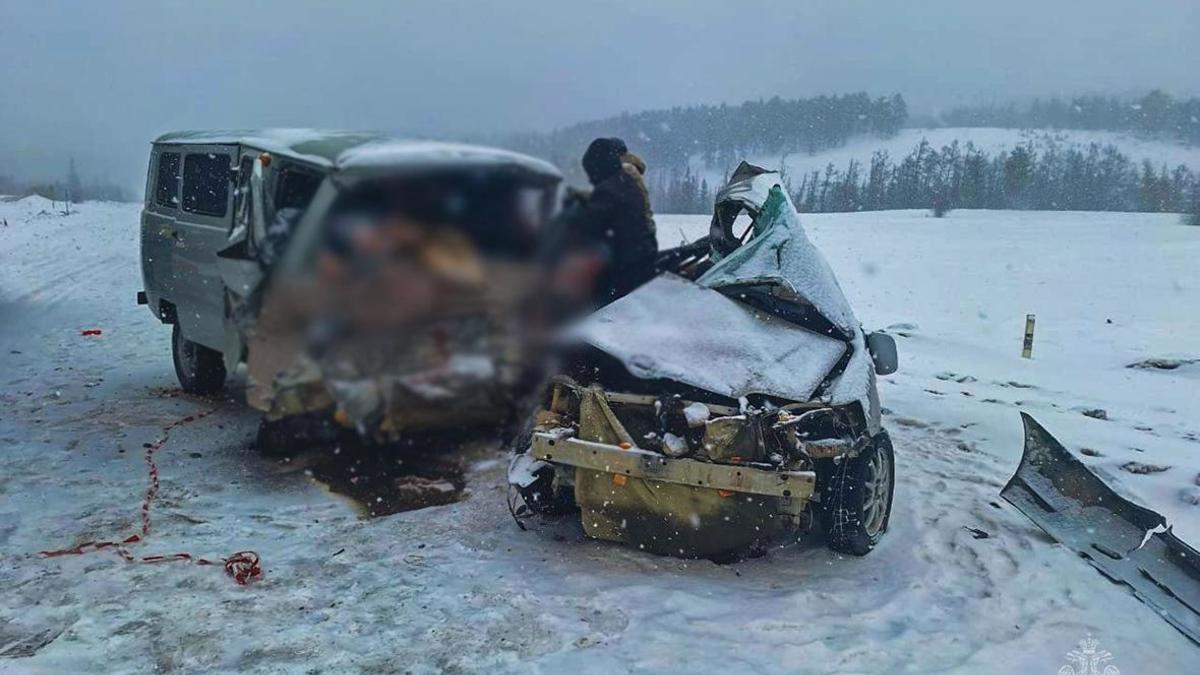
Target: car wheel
200	370
856	497
547	497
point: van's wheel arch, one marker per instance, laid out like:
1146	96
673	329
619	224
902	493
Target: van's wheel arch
856	497
200	370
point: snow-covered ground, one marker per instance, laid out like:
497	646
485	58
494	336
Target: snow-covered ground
459	588
988	139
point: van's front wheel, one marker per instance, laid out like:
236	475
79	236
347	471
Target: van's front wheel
200	370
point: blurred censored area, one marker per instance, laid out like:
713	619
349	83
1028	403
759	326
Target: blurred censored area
413	302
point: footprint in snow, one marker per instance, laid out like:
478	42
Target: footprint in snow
961	379
1162	364
1144	468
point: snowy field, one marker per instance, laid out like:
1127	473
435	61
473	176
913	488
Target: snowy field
460	589
989	140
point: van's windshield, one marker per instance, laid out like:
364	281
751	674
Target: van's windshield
498	213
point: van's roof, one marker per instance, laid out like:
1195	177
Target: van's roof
356	150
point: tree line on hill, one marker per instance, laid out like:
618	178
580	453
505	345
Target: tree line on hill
677	140
722	134
1047	177
1043	175
1156	114
1037	174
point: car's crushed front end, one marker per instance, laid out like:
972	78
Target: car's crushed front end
703	413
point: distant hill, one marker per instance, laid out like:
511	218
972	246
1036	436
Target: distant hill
987	139
982	168
668	139
1155	115
852	152
921	168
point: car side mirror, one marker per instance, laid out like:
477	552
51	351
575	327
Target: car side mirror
883	352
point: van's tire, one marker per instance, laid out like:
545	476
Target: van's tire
856	497
200	370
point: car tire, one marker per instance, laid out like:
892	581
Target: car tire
200	370
856	497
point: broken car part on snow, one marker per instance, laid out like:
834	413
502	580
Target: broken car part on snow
726	401
1127	543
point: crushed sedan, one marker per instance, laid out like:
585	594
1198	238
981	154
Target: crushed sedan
728	401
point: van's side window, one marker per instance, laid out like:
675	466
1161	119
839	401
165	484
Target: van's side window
166	183
206	183
296	189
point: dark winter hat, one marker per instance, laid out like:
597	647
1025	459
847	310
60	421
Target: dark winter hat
603	158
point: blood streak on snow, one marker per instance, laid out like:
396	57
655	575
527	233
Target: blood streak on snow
242	566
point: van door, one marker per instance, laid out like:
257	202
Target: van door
159	226
237	263
205	213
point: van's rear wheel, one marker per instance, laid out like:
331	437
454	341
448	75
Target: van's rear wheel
856	497
200	370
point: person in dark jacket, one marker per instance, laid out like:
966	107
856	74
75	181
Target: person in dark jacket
607	236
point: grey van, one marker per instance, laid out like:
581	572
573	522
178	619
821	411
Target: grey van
212	197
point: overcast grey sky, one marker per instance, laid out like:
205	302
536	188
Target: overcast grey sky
99	79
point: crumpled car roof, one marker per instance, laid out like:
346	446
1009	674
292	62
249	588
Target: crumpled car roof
687	332
781	253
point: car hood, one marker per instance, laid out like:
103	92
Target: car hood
681	331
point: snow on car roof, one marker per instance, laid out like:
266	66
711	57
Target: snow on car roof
356	150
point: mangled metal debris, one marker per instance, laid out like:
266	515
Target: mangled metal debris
729	400
1129	544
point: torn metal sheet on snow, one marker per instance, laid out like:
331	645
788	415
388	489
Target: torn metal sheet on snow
1127	543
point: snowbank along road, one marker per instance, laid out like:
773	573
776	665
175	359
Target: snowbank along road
459	588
